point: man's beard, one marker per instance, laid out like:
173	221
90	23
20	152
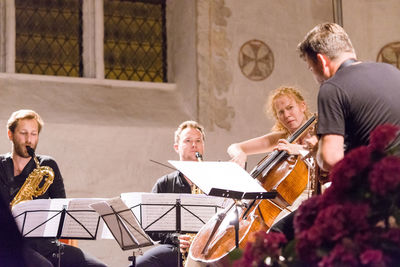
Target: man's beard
20	149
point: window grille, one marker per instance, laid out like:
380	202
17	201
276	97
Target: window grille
49	37
135	40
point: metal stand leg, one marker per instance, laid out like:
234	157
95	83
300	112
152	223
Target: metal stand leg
57	255
236	225
179	256
133	257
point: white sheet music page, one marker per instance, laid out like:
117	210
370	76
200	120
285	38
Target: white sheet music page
82	221
197	210
105	233
220	175
121	222
104	208
156	212
39	217
133	201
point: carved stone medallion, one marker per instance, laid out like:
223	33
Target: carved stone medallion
390	54
256	60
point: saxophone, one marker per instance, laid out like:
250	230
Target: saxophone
194	190
193	187
31	188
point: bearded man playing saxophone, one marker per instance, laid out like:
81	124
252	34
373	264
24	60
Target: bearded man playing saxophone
23	130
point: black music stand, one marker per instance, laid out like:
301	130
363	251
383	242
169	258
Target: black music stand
224	179
37	219
172	212
124	226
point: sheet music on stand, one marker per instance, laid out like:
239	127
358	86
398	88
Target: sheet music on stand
123	224
169	212
59	218
225	179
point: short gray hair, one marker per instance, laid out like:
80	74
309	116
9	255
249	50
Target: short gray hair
327	38
188	124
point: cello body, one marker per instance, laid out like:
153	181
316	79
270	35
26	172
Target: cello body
280	172
216	239
223	240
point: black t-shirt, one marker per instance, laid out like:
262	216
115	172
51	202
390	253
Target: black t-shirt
10	184
172	183
357	99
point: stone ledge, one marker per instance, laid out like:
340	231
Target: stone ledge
92	101
91	81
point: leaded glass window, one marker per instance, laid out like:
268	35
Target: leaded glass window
49	37
134	40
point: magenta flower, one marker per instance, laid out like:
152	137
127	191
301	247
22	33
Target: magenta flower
354	163
307	247
372	257
306	214
355	222
385	176
264	245
332	224
337	221
382	136
339	256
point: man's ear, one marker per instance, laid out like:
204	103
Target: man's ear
326	65
10	135
176	148
323	60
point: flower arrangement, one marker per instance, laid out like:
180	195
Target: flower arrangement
355	222
264	250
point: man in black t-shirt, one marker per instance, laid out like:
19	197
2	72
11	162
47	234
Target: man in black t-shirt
189	139
23	130
354	97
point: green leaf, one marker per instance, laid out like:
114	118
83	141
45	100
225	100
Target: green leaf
235	254
289	251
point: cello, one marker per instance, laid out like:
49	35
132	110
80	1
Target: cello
280	172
